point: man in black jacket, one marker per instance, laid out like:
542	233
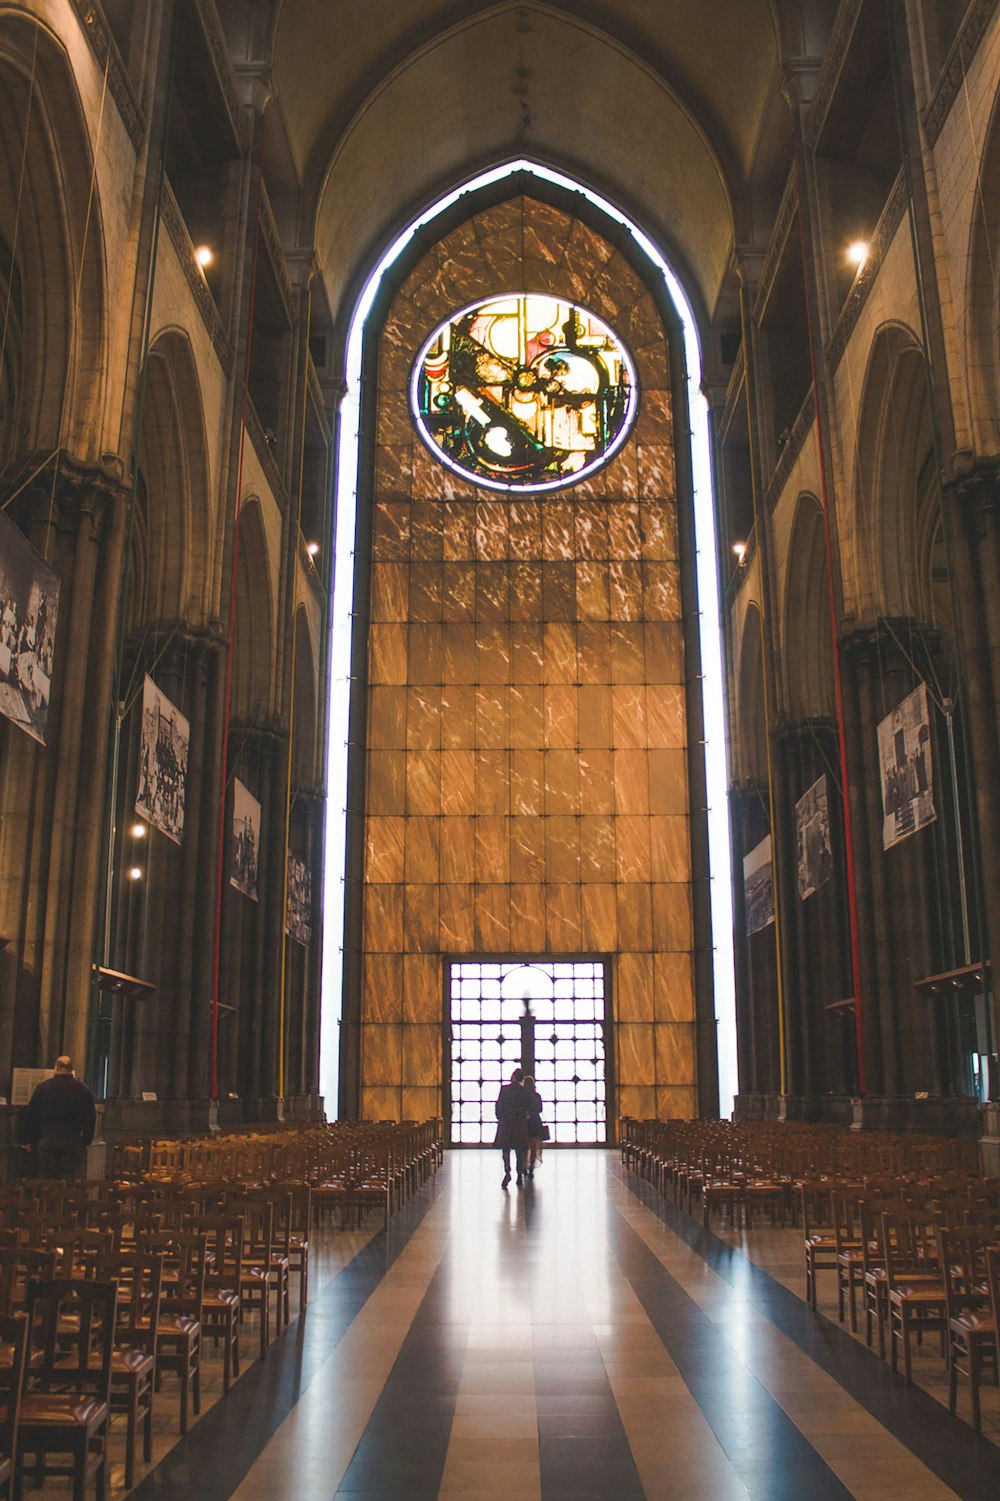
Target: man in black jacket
512	1119
59	1122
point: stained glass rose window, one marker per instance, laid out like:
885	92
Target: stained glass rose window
524	392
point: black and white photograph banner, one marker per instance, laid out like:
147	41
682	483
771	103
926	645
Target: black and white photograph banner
298	922
163	763
904	748
758	887
29	606
812	838
246	840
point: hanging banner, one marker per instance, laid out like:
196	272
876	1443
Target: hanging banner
758	887
163	762
812	837
246	841
298	923
904	747
29	606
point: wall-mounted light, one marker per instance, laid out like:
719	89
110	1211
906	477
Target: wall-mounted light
135	874
312	548
857	252
204	255
137	831
740	551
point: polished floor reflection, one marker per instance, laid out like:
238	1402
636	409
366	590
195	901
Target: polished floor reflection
574	1339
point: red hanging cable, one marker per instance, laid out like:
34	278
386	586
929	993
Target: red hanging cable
852	897
221	858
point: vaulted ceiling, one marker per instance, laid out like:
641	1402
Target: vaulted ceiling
667	107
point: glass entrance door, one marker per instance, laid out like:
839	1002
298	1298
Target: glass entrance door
548	1017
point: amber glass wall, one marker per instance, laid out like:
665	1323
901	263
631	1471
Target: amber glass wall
525	764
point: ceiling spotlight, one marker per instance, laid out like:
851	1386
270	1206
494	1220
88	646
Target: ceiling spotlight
204	255
312	548
857	252
135	874
740	549
138	831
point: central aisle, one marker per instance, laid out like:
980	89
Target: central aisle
562	1342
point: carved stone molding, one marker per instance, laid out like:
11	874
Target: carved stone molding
804	731
102	45
956	66
73	492
833	61
801	428
892	213
262	446
275	254
976	489
734	393
319	405
212	318
223	65
775	250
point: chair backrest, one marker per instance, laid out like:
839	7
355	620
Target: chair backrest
258	1234
224	1236
72	1323
992	1253
80	1251
910	1242
20	1265
139	1275
13	1338
963	1266
186	1252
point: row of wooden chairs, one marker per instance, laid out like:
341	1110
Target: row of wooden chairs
926	1259
186	1278
743	1169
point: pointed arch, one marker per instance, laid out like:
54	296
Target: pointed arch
304	767
254	631
52	275
171	543
982	291
751	727
896	495
809	665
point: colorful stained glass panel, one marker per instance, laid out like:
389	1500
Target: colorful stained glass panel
524	392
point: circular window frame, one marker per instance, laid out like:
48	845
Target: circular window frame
516	487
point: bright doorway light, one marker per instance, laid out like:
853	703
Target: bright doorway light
706	563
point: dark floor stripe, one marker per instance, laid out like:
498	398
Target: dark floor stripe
768	1453
583	1450
965	1461
403	1448
223	1445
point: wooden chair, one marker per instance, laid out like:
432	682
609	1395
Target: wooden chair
820	1241
13	1356
850	1253
220	1307
66	1409
257	1279
916	1292
972	1332
19	1266
178	1333
299	1225
133	1361
874	1270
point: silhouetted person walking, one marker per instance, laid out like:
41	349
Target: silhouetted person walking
59	1122
512	1118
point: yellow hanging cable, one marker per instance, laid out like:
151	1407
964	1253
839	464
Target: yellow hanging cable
291	712
782	1051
